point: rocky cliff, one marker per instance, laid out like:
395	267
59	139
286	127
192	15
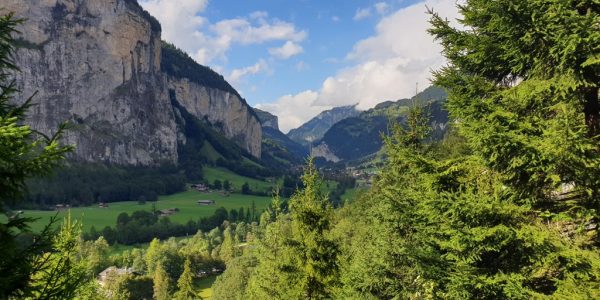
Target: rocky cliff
267	119
97	63
206	95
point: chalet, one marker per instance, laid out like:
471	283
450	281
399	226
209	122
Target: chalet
206	202
103	205
167	212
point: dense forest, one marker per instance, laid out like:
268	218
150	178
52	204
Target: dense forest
505	206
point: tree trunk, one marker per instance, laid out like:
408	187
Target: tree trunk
592	111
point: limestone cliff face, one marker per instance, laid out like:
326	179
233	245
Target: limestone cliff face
224	110
97	63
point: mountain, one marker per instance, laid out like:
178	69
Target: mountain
314	129
278	150
360	136
267	119
102	66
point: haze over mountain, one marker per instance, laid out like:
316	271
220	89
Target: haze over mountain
359	136
316	127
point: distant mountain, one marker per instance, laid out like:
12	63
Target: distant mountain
314	129
278	150
267	119
360	136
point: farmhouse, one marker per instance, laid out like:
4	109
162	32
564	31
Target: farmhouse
61	206
102	205
167	212
206	202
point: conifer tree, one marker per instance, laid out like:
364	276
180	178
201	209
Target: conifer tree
296	259
514	217
162	283
228	247
185	284
23	154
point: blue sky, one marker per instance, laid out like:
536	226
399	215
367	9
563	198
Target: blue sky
297	58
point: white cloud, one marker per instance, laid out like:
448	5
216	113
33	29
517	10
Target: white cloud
294	110
362	13
386	66
381	7
259	15
184	26
335	19
237	74
286	51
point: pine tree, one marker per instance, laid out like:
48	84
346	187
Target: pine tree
296	258
497	221
162	285
523	82
185	284
23	154
310	212
63	272
228	248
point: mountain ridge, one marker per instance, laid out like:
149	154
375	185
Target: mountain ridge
316	127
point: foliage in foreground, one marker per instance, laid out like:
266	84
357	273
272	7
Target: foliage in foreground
32	266
506	207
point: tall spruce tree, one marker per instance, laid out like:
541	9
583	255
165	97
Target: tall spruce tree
523	81
185	284
515	216
162	283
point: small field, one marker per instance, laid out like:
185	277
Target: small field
212	174
185	202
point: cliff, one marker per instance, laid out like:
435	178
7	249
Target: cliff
267	119
97	64
207	96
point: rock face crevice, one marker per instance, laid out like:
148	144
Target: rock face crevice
97	64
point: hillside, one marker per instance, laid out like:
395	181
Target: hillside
116	93
316	127
145	116
279	151
360	136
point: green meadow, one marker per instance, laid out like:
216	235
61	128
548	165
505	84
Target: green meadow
185	202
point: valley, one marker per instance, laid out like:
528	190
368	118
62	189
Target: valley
174	149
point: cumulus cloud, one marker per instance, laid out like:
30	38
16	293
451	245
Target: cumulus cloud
286	51
207	41
237	74
362	13
294	110
385	66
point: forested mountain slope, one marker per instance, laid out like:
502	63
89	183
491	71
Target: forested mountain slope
360	136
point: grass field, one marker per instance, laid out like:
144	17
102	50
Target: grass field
185	201
212	174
